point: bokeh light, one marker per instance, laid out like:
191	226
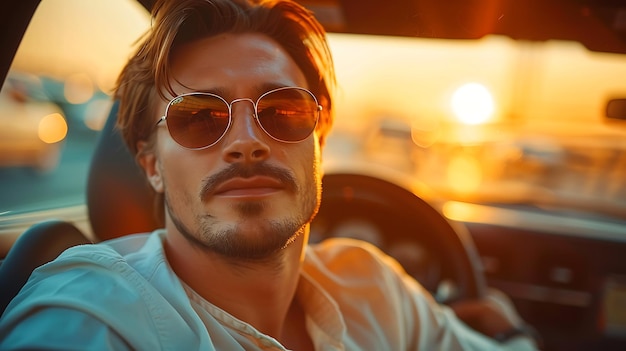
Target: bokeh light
52	128
79	88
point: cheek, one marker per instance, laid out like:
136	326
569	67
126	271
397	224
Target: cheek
182	174
309	160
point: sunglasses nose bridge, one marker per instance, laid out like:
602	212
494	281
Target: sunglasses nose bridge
251	112
247	115
252	102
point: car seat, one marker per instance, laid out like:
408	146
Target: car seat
119	200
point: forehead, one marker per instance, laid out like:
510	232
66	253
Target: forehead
234	63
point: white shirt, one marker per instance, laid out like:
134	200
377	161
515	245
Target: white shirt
123	295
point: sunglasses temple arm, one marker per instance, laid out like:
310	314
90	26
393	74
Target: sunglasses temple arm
159	121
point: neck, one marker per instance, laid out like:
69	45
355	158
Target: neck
257	292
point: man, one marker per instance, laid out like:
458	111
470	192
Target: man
227	105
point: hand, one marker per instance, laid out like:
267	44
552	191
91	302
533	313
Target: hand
492	315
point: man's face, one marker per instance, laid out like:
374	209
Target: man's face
249	195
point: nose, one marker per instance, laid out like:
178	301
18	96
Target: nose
245	141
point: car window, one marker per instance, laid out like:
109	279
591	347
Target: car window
494	120
56	98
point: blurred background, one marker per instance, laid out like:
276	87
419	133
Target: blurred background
471	119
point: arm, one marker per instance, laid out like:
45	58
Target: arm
58	328
490	323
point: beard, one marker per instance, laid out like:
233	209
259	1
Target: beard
251	238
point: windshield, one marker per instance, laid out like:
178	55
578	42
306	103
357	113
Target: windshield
493	121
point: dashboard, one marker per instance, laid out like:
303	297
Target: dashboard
571	288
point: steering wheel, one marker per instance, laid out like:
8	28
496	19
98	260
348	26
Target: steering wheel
431	248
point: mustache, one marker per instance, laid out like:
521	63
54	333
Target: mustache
237	170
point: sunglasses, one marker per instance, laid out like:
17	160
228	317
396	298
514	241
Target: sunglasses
200	120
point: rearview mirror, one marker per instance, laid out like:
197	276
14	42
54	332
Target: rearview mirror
616	109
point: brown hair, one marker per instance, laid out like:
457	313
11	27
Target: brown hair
146	77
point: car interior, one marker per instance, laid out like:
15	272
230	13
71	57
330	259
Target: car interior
564	270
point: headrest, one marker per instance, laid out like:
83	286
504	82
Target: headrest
119	198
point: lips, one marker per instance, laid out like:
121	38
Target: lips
254	186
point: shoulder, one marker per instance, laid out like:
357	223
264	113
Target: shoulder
343	264
90	262
369	287
84	277
94	278
100	287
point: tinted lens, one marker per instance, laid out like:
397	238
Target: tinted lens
288	114
197	120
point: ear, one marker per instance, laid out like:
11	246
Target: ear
148	160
